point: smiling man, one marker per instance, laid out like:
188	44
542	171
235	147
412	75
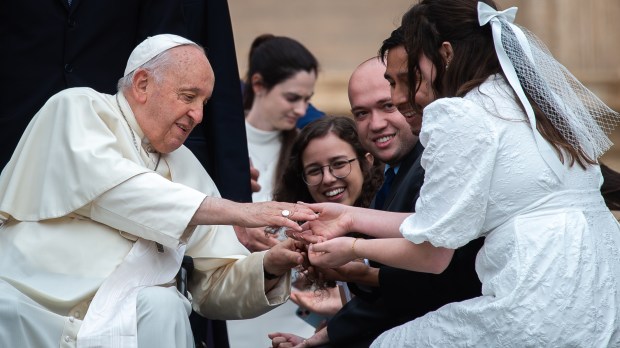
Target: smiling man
382	129
101	201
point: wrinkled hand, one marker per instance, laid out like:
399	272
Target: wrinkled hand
283	256
333	221
254	174
255	239
271	214
332	253
285	340
326	302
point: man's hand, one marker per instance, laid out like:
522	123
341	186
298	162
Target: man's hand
283	256
284	340
255	239
220	211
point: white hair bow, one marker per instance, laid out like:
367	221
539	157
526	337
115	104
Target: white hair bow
581	117
487	14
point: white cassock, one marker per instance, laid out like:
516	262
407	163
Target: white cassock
82	210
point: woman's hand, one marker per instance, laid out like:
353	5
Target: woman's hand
334	220
332	253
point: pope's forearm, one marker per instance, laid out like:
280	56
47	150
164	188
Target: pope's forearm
217	211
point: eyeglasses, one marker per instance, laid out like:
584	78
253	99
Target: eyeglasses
339	169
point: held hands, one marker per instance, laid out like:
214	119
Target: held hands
283	256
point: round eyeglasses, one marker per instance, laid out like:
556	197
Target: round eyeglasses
340	169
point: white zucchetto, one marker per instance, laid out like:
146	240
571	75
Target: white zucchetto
152	46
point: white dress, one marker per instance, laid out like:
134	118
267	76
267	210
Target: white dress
550	264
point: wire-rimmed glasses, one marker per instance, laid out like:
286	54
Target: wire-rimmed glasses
340	169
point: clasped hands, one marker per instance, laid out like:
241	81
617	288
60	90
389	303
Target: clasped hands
327	246
322	229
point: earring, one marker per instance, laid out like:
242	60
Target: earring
447	65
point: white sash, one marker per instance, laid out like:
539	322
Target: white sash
111	317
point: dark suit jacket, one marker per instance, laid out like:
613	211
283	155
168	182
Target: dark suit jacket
220	142
404	295
48	46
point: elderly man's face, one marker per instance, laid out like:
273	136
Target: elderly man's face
174	105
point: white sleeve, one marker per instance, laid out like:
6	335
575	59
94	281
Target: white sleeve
235	289
150	207
460	151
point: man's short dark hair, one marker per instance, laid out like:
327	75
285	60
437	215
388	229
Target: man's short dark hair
397	38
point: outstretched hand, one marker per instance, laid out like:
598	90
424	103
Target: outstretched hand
220	211
275	214
333	221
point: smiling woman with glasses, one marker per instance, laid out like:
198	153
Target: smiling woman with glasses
339	168
329	164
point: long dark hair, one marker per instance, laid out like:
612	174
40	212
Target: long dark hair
292	188
276	59
430	23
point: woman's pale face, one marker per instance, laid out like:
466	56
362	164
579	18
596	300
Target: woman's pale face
323	151
285	103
